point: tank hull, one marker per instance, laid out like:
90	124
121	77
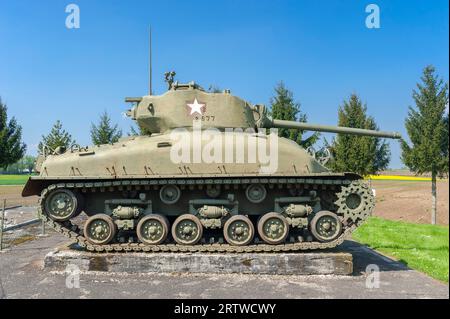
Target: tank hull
200	187
164	156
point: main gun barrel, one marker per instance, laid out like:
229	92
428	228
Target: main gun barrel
333	129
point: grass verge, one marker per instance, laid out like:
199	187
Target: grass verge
420	247
13	179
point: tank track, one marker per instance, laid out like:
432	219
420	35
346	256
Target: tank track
73	232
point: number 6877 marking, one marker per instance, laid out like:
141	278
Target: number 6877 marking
208	118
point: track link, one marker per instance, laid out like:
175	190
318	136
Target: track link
73	232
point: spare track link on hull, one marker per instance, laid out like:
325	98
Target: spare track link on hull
73	232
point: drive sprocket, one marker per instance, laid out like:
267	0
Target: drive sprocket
355	201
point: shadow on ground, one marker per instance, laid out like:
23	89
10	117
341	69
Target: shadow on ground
364	256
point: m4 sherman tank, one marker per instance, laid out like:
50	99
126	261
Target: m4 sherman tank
208	177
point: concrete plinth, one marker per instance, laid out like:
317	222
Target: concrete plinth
303	263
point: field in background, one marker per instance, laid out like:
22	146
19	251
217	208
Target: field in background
13	179
399	178
420	247
402	172
13	196
411	201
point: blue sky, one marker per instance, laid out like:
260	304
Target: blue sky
322	50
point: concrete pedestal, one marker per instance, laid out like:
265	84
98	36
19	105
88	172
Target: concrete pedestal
302	263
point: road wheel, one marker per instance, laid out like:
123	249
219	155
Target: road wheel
326	226
100	229
273	228
238	230
153	229
187	230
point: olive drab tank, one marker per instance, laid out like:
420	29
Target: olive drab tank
209	176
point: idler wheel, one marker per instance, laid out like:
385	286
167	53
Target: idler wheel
256	193
273	228
62	205
100	229
170	194
326	226
153	229
187	230
238	230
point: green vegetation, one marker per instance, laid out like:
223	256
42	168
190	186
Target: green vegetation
420	247
137	130
58	137
11	146
284	107
361	154
427	126
105	132
23	166
13	179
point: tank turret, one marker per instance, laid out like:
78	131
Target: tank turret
184	103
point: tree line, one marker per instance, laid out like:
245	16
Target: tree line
426	124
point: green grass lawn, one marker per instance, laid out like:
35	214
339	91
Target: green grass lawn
13	179
420	247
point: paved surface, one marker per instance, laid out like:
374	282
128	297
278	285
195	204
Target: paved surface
22	276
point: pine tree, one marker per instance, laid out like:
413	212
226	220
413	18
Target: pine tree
57	137
284	107
105	132
136	130
427	127
361	154
11	146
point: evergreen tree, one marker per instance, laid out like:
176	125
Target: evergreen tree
427	127
11	146
284	107
361	154
136	130
105	132
57	137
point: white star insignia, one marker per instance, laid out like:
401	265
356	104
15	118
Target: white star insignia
196	107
